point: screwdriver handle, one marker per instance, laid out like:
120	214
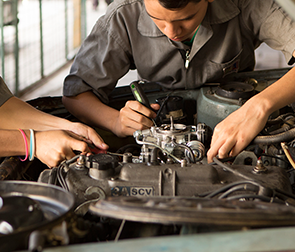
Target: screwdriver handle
139	94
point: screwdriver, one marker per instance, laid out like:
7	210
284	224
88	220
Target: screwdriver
140	96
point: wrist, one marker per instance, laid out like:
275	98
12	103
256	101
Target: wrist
115	126
65	124
26	144
262	105
32	145
29	141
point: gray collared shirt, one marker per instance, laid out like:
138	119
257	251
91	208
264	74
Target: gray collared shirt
127	38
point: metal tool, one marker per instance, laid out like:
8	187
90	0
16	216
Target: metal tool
140	96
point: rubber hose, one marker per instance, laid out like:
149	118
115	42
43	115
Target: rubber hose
282	137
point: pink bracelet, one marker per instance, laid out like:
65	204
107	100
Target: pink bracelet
26	144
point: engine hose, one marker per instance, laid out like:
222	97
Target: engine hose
279	119
288	124
282	137
284	128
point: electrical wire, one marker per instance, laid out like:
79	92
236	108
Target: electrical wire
162	106
236	188
255	196
275	157
229	186
283	194
62	169
61	179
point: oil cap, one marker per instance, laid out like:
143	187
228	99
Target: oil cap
102	161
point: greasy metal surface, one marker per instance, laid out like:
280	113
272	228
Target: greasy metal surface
139	179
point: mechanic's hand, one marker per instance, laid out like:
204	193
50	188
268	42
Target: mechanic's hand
89	134
236	131
134	116
54	146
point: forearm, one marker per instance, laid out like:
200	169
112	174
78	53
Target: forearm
277	95
280	93
17	114
12	143
90	110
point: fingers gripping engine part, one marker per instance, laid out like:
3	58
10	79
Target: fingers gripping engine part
177	142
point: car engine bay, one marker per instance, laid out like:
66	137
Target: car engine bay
158	182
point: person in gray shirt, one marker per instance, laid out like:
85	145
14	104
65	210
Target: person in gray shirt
180	44
26	131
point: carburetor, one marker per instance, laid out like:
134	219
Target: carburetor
176	143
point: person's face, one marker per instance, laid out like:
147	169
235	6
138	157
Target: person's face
177	24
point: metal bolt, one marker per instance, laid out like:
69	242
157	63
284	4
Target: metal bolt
259	168
183	163
127	157
81	162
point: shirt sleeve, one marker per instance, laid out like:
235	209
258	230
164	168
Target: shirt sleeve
101	61
5	93
270	24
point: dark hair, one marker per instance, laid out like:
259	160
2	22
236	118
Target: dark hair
176	4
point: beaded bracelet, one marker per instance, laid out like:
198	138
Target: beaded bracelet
26	145
32	145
